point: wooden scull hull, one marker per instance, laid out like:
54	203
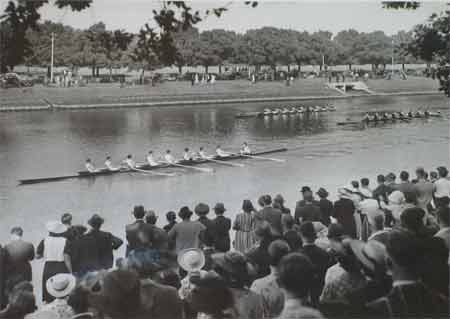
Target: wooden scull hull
145	167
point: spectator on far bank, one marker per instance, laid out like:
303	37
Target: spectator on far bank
222	226
19	254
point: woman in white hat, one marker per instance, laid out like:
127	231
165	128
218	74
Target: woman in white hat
52	249
59	287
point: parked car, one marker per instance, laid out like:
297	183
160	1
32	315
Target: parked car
12	80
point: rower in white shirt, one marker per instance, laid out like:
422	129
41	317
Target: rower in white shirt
150	160
109	165
129	162
221	153
245	149
169	157
187	156
202	154
90	166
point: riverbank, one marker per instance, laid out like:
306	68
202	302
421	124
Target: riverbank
182	93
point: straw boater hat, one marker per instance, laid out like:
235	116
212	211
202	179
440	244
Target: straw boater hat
55	227
192	259
61	285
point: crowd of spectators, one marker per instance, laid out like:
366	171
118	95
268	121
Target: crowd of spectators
379	252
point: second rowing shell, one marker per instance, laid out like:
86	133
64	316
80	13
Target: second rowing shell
105	172
405	119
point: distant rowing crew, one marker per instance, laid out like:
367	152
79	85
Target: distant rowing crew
373	117
168	158
295	110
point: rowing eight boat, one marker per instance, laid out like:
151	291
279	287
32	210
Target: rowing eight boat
145	167
390	120
287	113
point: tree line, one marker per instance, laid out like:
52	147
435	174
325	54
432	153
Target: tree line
99	47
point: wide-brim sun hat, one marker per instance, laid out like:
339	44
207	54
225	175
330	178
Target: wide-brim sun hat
55	227
372	255
191	259
61	285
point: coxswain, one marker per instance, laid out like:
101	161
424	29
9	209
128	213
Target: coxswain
186	155
109	165
150	159
129	162
245	149
220	152
90	166
169	157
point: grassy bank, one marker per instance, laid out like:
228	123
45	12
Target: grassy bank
179	92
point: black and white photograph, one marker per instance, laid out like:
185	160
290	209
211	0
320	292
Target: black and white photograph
213	159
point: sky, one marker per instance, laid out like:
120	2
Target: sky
331	15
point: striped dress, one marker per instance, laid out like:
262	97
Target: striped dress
244	225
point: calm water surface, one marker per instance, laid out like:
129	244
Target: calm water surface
42	144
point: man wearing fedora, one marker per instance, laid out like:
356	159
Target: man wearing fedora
307	209
93	250
222	226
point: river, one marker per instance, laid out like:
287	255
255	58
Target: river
321	154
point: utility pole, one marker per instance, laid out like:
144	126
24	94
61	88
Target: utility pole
392	71
51	58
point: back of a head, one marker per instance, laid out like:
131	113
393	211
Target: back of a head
412	219
308	232
381	179
443	214
404	249
420	172
151	218
443	171
355	184
279	199
267	200
18	231
364	181
296	274
120	293
410	196
404	176
185	213
171	216
277	250
261	200
390	177
247	206
139	212
287	221
66	218
378	221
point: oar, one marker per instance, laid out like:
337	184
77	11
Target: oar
225	163
265	158
153	173
202	169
